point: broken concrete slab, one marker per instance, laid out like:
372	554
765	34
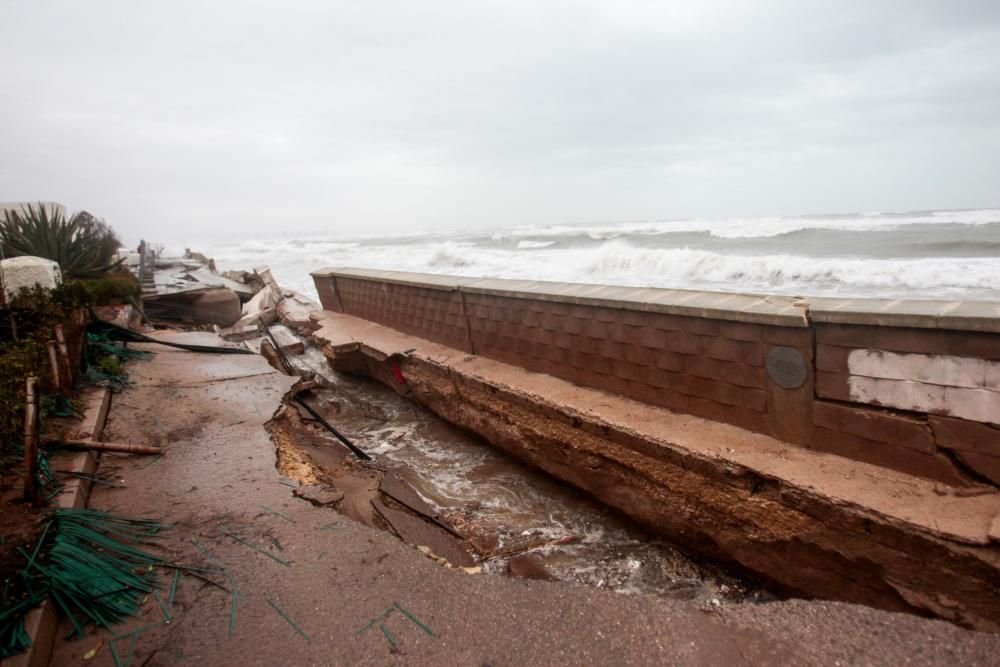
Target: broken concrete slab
264	273
209	305
261	306
195	273
294	310
320	495
239	332
287	341
416	531
400	491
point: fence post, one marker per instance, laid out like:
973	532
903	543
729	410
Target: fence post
31	442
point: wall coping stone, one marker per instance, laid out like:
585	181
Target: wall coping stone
982	316
752	308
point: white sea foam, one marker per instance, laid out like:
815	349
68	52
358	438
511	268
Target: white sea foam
619	263
759	227
620	255
524	244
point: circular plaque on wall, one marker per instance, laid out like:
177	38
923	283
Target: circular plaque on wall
786	367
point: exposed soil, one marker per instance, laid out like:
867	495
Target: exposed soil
21	525
444	490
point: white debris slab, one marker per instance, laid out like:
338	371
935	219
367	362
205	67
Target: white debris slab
962	387
944	370
27	272
901	394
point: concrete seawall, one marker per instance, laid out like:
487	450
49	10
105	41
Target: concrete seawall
908	385
711	418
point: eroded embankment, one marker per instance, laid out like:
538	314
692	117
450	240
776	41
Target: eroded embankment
812	524
470	505
370	494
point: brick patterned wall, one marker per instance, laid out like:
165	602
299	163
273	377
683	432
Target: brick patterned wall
429	313
697	361
687	364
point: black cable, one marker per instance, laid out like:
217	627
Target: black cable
340	436
115	332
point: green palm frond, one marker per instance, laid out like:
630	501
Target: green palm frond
84	246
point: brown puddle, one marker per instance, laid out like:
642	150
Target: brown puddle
458	499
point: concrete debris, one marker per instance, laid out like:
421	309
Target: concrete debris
415	531
219	305
207	261
287	341
269	304
264	273
260	308
319	494
247	278
185	275
216	305
187	289
294	310
266	350
264	300
239	332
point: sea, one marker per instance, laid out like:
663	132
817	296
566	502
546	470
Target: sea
916	254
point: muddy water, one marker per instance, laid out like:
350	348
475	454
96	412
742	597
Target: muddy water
502	504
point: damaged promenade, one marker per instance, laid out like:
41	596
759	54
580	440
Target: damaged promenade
328	574
306	584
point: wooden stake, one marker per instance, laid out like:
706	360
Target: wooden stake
54	366
31	442
67	363
121	447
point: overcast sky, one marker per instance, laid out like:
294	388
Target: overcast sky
188	119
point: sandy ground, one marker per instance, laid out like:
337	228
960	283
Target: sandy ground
332	576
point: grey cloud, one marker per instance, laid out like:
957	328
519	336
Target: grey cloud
187	119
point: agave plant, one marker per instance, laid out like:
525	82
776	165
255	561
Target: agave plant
84	246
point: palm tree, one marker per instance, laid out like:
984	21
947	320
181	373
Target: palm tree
84	246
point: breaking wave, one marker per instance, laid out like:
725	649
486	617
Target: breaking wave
913	255
760	227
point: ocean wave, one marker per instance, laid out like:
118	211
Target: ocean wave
752	227
618	263
450	255
920	268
